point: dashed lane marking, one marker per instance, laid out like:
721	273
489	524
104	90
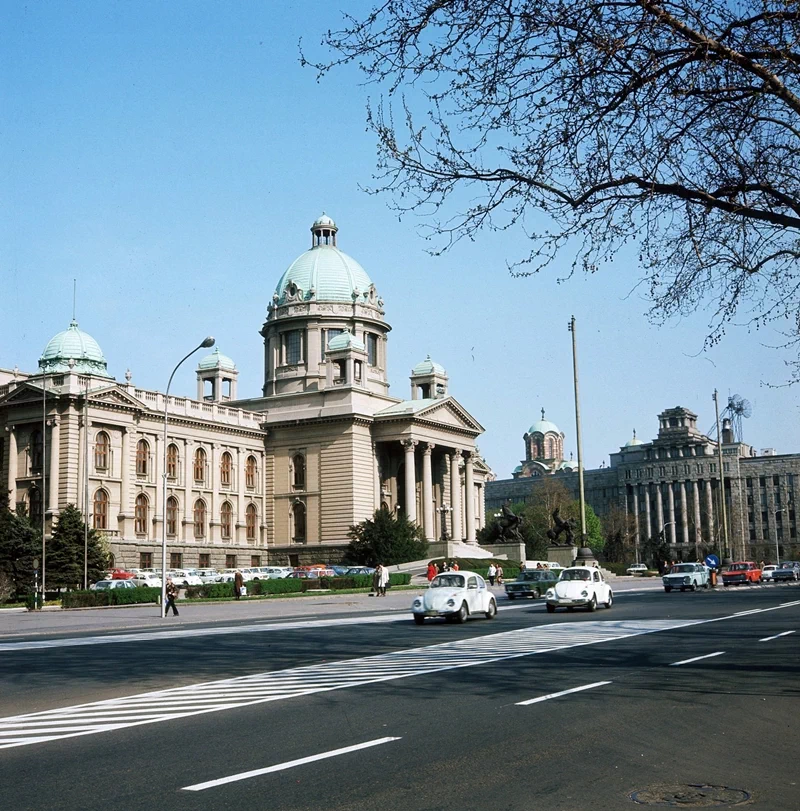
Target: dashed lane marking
697	658
777	636
562	693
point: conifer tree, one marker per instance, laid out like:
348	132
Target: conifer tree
65	551
20	543
386	539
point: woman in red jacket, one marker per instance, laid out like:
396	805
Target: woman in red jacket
431	571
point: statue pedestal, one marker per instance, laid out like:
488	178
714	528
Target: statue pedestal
585	557
563	555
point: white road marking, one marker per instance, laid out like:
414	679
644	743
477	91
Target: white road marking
697	658
562	693
290	764
770	638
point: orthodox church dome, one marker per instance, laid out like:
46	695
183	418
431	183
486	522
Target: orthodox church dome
216	360
631	443
74	345
544	426
323	273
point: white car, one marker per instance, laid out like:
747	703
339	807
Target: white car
275	572
766	572
579	586
455	596
636	568
184	577
208	575
686	576
105	585
147	579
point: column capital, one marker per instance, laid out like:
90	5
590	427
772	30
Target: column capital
10	428
409	444
470	456
427	448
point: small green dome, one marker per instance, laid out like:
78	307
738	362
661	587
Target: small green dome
216	360
632	443
345	340
428	367
74	345
544	427
323	273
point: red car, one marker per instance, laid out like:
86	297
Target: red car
120	574
742	572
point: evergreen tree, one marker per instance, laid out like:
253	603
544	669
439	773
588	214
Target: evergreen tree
65	551
386	539
20	543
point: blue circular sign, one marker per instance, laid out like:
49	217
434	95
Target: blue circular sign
712	561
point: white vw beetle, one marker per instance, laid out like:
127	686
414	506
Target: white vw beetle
579	585
455	595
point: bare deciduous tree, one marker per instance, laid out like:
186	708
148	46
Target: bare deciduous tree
673	127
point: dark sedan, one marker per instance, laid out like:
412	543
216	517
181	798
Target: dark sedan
533	583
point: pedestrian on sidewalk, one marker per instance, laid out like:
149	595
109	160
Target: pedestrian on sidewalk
491	573
383	580
238	583
172	595
432	572
499	575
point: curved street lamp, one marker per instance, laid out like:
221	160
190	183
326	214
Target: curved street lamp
204	345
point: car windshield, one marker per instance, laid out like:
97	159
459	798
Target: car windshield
686	567
450	581
103	584
536	575
576	574
737	567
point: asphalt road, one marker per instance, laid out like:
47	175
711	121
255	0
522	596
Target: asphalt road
349	710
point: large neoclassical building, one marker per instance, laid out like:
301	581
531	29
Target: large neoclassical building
279	477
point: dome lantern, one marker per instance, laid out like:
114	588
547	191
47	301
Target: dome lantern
323	231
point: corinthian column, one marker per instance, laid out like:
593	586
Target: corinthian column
53	484
659	508
469	496
12	468
671	504
710	511
427	491
698	525
684	513
455	495
411	479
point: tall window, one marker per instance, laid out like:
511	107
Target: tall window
172	461
299	521
140	511
299	472
36	450
225	519
225	468
145	560
176	560
200	466
142	458
293	347
35	504
250	522
102	448
372	349
250	468
100	512
172	516
230	561
199	518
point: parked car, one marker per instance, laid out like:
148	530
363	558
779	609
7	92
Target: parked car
579	586
353	570
339	569
531	583
788	570
455	596
766	572
252	573
636	568
208	575
147	579
120	574
184	577
275	572
741	572
312	574
686	576
105	585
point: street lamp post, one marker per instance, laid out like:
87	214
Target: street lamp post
204	345
777	548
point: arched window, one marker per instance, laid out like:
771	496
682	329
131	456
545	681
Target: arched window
200	466
299	472
250	516
172	461
36	450
140	511
142	458
35	504
199	518
250	468
299	522
226	520
102	449
172	516
225	469
100	512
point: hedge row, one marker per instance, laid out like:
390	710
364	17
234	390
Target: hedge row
88	599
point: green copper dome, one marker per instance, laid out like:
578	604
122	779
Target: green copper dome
323	273
74	345
428	367
632	443
216	360
544	426
345	340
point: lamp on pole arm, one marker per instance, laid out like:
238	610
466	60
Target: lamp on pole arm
208	342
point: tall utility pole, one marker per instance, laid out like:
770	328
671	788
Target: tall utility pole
44	498
86	485
723	507
581	499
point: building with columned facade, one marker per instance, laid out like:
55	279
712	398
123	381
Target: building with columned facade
279	477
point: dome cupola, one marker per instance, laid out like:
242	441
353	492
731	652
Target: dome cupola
76	346
632	443
544	441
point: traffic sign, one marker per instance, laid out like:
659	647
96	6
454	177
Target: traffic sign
712	561
36	563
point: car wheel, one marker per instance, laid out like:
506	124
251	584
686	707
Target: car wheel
592	604
706	584
512	596
535	594
550	609
693	587
668	589
610	600
570	608
462	614
492	612
419	619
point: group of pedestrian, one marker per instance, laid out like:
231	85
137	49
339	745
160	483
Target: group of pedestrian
495	574
380	580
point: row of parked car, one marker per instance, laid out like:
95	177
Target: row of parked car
131	578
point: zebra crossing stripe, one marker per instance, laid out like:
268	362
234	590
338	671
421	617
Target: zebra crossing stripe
197	699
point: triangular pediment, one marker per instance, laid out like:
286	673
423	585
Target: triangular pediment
23	393
113	394
447	413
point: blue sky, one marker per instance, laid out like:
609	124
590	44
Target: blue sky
171	158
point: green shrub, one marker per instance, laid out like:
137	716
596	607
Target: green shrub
89	599
616	568
399	578
284	585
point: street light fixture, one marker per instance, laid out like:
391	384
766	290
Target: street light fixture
204	345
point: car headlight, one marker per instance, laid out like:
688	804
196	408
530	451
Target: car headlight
417	603
451	602
550	593
584	593
687	580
